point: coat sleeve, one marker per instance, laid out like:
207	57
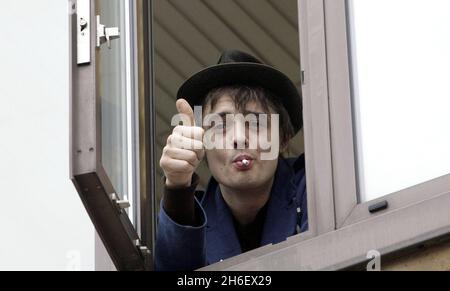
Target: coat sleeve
179	247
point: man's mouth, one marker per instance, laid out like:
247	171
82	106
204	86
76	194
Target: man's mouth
243	162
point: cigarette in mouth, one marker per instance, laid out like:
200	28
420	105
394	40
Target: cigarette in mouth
245	162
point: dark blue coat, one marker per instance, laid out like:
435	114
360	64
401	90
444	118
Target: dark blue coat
181	247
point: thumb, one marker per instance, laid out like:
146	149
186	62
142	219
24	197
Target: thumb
183	107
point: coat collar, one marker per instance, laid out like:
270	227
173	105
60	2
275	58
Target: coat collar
280	221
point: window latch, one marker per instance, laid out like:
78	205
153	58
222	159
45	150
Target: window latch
106	34
377	207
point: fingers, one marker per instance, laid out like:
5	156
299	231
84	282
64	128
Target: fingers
182	142
188	138
183	155
184	149
190	132
184	108
176	166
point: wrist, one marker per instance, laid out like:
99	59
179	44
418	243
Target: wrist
178	185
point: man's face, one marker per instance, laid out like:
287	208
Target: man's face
227	165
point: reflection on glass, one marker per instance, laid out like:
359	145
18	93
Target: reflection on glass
112	89
401	92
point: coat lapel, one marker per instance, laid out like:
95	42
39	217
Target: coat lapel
221	236
280	222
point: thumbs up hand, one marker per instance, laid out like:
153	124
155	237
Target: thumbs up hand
184	150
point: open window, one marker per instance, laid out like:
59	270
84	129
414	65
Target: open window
127	117
111	135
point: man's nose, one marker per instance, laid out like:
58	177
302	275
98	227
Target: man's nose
240	136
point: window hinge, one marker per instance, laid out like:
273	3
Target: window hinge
121	204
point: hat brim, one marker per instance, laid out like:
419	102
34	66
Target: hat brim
195	89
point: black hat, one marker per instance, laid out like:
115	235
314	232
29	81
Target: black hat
239	68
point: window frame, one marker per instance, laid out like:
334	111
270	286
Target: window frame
344	236
348	208
127	249
147	122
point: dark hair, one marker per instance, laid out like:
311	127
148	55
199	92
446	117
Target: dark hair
242	95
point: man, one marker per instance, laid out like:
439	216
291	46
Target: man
250	201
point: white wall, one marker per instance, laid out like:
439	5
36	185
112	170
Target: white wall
43	224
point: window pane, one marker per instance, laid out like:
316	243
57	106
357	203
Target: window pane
401	92
115	92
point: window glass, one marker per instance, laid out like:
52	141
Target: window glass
400	56
116	93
